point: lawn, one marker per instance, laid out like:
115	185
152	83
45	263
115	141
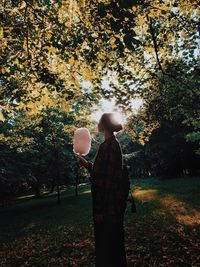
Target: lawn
165	231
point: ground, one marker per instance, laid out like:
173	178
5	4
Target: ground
165	231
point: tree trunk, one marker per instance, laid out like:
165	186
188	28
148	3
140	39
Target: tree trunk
37	190
58	194
52	188
77	180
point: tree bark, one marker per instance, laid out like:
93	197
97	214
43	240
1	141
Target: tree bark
77	180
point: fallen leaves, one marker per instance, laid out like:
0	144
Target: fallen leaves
157	235
148	243
71	246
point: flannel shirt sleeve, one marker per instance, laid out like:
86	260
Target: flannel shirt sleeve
97	178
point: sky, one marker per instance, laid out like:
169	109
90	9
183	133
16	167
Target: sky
109	106
106	105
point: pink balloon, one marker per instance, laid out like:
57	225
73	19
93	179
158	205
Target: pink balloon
82	141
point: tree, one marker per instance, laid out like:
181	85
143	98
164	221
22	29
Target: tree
56	47
44	147
169	116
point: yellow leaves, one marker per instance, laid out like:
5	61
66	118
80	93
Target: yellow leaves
69	128
4	138
1	116
154	13
65	106
162	51
4	45
83	3
48	35
57	65
35	108
70	11
166	6
134	8
102	56
87	74
108	30
38	98
75	81
1	33
45	99
5	70
63	14
60	68
52	102
71	61
24	45
112	40
149	49
51	49
30	105
169	37
23	5
74	63
187	7
77	63
100	64
141	140
95	35
141	20
16	61
15	11
184	34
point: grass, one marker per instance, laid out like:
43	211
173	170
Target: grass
165	231
27	217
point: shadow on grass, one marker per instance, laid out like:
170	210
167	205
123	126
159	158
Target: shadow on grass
185	189
51	235
44	214
165	231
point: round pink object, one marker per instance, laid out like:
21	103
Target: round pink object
82	141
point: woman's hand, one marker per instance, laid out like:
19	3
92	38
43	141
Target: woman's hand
82	162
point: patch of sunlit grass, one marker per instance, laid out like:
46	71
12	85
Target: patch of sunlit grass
183	213
86	192
191	219
173	204
145	194
25	197
179	209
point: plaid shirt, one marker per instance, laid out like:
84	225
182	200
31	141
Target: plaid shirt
109	201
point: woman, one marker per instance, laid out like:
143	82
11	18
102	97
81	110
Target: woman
109	200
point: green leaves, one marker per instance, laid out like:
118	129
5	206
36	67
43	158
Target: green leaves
47	2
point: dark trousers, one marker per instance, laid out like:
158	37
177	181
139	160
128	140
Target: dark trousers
109	245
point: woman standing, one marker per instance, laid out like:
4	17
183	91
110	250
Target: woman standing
109	200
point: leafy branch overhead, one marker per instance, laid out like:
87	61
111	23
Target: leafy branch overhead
57	46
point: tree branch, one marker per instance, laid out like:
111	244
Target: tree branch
154	42
154	39
27	32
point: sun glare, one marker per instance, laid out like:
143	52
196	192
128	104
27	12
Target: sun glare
110	106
